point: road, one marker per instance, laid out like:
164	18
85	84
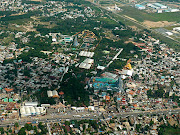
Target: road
121	49
161	112
94	116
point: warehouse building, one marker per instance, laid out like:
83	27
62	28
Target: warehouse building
31	111
86	54
31	103
53	93
153	6
176	29
87	63
160	5
140	7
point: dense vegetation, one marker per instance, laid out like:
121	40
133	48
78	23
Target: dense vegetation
73	88
30	2
6	13
29	127
26	56
123	33
70	26
168	130
106	44
17	17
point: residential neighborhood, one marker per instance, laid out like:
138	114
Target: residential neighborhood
69	68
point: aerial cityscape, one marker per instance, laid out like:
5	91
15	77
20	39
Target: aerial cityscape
89	67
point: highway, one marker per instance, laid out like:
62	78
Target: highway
83	115
160	112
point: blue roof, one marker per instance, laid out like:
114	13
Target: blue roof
118	99
137	5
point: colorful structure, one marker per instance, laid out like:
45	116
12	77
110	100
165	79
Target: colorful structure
128	65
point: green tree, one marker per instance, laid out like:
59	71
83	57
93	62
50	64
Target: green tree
2	130
16	124
138	126
28	127
151	123
146	128
22	131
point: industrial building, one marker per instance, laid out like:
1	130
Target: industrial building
174	10
87	63
160	5
140	7
53	93
31	110
86	54
31	103
176	29
153	6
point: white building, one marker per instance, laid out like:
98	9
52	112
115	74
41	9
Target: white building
86	54
176	29
160	5
52	93
78	109
31	110
31	103
140	7
169	33
87	63
174	10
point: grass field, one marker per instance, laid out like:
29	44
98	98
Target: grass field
171	27
107	20
8	39
142	15
171	131
20	21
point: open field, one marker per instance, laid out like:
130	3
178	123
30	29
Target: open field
20	21
152	24
172	131
142	15
171	27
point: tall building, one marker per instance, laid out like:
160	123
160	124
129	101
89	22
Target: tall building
120	84
75	41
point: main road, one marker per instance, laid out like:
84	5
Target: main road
86	115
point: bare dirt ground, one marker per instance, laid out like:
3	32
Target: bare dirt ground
29	28
17	14
133	27
152	24
130	18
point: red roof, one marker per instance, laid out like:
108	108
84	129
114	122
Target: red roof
107	97
123	99
61	93
8	90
